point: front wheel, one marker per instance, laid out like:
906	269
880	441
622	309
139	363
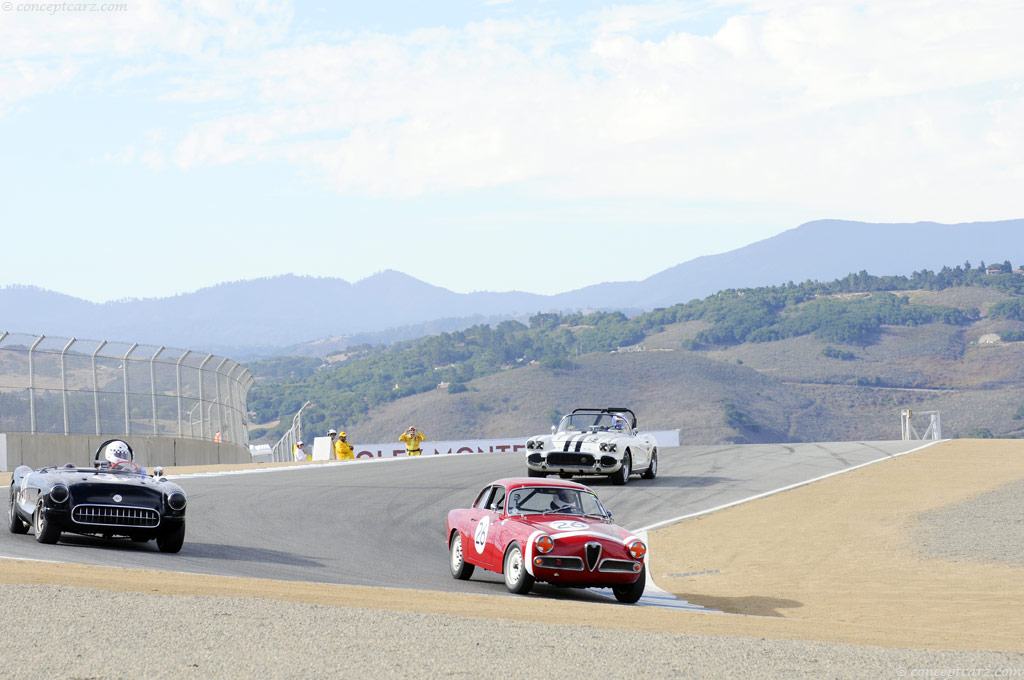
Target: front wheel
632	592
623	473
517	579
461	569
171	541
46	531
14	523
652	470
530	472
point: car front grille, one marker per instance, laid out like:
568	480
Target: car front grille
559	458
115	516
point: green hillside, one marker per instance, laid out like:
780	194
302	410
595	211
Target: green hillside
810	361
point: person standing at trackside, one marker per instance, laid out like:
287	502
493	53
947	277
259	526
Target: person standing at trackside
299	451
412	439
339	442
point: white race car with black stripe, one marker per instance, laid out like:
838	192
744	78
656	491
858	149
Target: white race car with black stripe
594	441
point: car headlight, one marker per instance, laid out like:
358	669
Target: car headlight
611	447
59	493
176	501
544	544
603	446
637	550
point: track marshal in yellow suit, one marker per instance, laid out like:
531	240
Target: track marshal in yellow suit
342	449
412	439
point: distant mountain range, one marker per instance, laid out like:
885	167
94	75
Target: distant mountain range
297	314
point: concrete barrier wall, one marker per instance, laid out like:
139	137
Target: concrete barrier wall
38	450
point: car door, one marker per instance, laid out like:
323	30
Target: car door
477	546
496	540
641	450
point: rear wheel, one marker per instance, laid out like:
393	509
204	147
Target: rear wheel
461	569
14	523
622	475
171	541
46	531
652	470
530	472
632	592
517	579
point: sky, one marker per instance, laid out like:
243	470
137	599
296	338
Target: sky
153	148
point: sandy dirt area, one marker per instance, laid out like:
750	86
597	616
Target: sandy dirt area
833	561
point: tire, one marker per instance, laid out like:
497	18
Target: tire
461	569
629	594
15	523
652	470
46	531
621	476
530	472
565	475
517	579
171	541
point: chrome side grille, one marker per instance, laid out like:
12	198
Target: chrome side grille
115	516
618	566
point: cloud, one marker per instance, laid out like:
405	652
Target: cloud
844	107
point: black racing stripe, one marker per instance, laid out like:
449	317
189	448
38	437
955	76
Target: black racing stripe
579	444
571	438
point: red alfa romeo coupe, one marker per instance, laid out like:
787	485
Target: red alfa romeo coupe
546	530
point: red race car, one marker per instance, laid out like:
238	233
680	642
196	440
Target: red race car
546	530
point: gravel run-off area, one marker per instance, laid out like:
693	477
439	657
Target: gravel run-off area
884	572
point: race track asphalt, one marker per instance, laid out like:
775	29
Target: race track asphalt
382	523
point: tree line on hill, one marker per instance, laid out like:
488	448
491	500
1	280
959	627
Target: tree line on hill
343	391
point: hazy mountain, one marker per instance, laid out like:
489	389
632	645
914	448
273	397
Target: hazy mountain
261	316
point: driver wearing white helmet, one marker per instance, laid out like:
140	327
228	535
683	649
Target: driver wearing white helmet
116	454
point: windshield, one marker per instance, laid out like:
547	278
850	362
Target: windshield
554	500
592	422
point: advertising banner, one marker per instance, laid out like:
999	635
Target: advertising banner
460	446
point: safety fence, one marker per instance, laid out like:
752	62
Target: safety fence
58	385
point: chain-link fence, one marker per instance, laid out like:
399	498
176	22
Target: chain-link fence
58	385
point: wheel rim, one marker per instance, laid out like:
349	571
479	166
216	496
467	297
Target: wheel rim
515	567
654	463
40	522
627	467
456	554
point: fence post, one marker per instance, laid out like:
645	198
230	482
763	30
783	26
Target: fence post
202	432
64	384
32	386
96	387
177	381
152	382
127	413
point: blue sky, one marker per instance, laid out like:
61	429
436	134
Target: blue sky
485	145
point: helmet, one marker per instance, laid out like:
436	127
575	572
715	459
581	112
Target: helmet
300	443
331	433
342	434
117	451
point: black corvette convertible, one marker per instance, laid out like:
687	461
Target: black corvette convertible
114	498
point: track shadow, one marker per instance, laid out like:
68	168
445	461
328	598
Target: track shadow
753	605
192	549
678	482
237	553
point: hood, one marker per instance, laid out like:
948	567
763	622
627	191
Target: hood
556	525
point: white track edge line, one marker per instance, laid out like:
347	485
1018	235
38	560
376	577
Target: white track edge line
658	525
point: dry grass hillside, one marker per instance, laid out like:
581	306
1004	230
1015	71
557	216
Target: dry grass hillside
786	390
